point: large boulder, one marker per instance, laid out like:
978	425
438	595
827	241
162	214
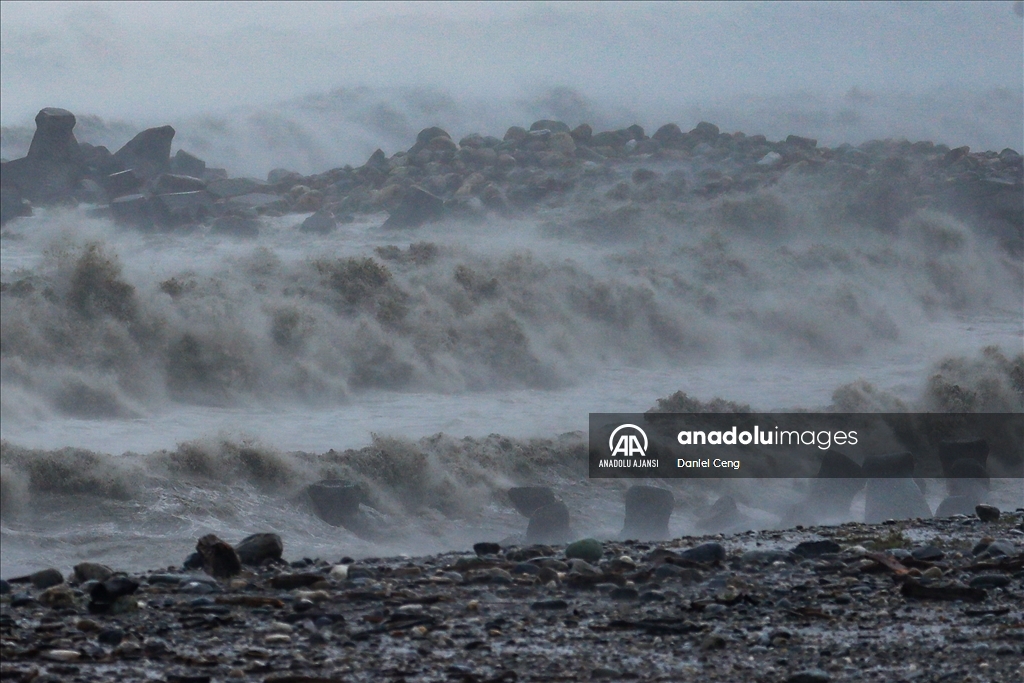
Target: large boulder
418	206
219	559
149	152
258	548
528	499
648	510
54	164
549	524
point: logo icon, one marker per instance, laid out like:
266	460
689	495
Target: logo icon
628	443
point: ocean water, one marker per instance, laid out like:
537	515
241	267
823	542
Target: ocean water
157	387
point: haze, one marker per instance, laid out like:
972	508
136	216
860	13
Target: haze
950	70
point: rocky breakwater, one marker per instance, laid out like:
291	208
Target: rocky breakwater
936	599
876	184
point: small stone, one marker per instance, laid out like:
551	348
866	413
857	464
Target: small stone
928	553
588	550
92	571
624	593
278	639
816	548
990	581
339	572
809	676
62	655
932	573
57	597
549	605
46	578
987	513
110	636
219	559
713	641
482	549
705	553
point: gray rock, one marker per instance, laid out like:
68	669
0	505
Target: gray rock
45	578
704	553
894	499
582	134
180	208
336	501
816	548
927	553
170	182
527	499
225	188
426	136
256	201
258	548
321	223
648	510
282	176
219	559
13	204
92	571
553	126
956	505
123	183
766	556
549	524
184	163
54	164
149	152
990	581
987	513
810	676
416	207
705	132
800	142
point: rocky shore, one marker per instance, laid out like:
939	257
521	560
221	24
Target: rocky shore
618	175
922	600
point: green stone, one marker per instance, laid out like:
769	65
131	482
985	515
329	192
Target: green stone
588	550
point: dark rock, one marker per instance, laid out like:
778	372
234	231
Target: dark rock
766	556
91	571
149	152
110	636
292	581
5	587
113	588
515	134
46	578
582	134
525	568
181	208
995	549
225	188
527	499
426	136
648	510
22	600
336	501
816	548
416	207
610	138
987	513
553	126
549	524
636	132
549	604
669	135
170	182
928	553
990	581
802	143
624	593
257	548
193	561
54	164
809	676
705	132
97	161
237	226
588	550
704	553
13	204
132	209
643	175
90	192
256	201
486	548
967	478
282	177
187	164
123	183
321	223
219	559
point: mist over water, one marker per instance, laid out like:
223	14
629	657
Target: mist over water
159	386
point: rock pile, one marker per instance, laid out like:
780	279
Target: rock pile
852	602
880	181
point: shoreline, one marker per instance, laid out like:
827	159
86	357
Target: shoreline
925	599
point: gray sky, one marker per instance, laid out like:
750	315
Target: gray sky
152	60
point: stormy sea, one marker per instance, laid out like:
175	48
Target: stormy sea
171	374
